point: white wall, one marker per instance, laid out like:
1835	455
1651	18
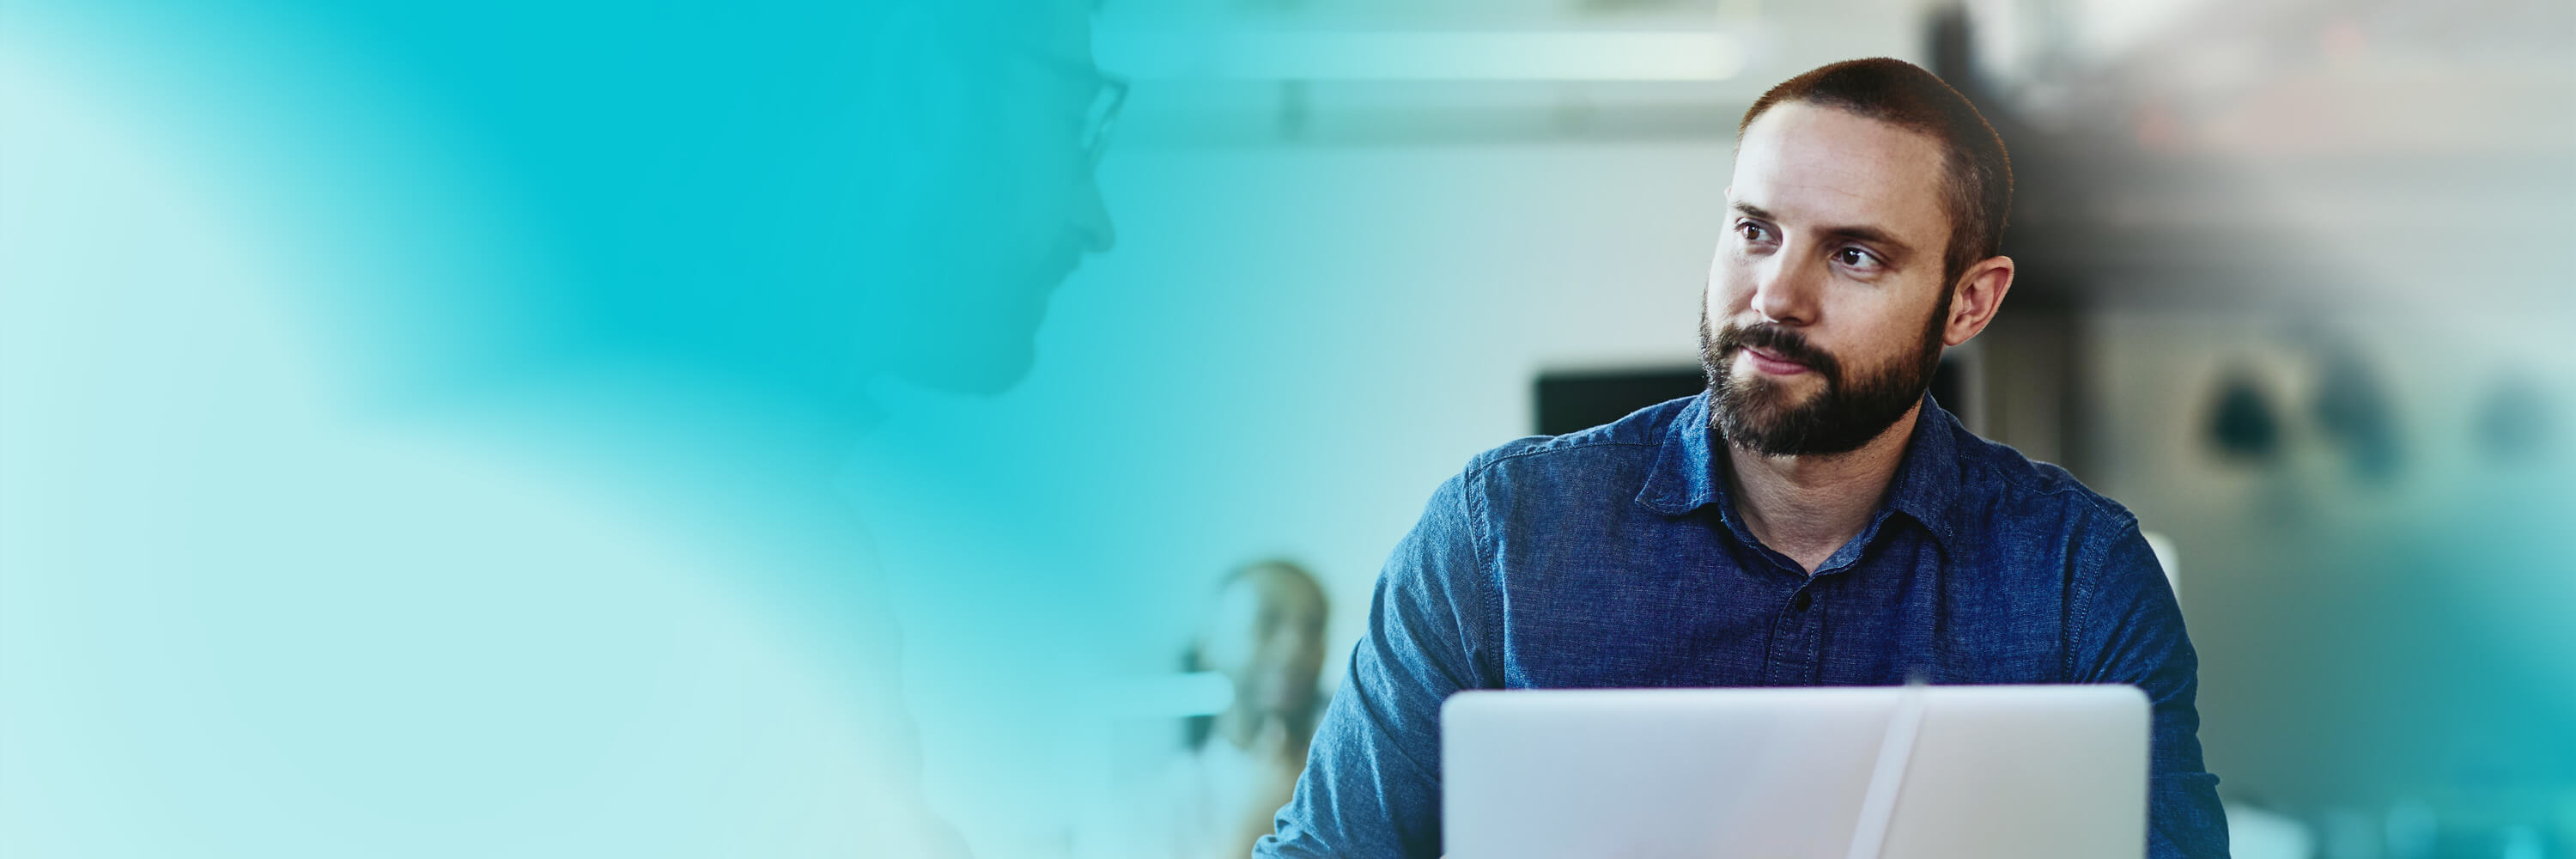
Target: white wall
1420	290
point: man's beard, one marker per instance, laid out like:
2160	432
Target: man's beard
1846	414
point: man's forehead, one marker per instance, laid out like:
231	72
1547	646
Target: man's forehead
1824	165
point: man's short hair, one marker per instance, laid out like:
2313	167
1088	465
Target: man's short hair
1977	185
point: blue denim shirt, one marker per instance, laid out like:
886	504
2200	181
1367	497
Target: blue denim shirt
1613	557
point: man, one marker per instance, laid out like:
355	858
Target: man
560	560
1812	519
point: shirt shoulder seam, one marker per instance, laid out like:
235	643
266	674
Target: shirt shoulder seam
1490	577
2070	486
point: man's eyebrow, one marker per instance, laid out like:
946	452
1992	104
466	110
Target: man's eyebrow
1885	240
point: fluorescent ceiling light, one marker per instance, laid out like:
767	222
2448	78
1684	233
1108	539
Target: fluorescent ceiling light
1421	56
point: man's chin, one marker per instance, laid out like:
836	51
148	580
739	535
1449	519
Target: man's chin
1760	430
982	374
1767	415
1805	425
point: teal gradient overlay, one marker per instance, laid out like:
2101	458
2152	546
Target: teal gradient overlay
479	429
760	429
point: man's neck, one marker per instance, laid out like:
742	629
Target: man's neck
1806	507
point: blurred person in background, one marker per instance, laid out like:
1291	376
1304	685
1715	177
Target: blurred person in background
1812	519
1265	634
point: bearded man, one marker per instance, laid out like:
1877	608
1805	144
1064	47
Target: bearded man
1812	519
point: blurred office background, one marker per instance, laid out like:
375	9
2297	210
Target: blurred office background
2298	287
2295	289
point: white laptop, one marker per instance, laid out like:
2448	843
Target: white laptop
1920	772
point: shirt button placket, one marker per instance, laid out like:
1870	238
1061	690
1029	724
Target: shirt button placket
1810	636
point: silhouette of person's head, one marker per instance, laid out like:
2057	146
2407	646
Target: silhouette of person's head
993	130
787	201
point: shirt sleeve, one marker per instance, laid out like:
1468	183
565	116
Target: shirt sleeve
1371	787
2131	632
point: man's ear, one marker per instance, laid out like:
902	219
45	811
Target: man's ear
1979	293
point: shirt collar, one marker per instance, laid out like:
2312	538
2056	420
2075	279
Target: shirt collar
1687	475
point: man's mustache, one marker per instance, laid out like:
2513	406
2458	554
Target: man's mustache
1779	341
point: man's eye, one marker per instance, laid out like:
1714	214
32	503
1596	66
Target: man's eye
1856	258
1752	232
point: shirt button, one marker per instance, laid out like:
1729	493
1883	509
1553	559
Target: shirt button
1802	601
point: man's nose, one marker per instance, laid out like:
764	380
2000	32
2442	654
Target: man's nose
1784	291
